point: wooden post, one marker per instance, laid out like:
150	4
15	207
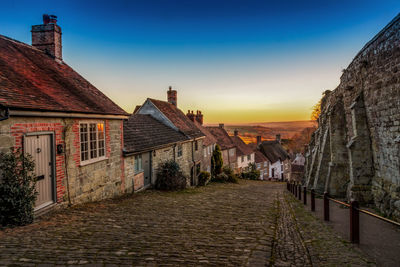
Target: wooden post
326	207
299	194
312	200
305	195
295	190
354	222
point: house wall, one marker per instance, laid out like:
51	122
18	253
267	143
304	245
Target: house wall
278	170
263	167
355	152
229	159
245	163
185	161
206	158
98	180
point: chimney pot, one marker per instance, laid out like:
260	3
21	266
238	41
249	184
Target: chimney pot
221	125
278	138
236	132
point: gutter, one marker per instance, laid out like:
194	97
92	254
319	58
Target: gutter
24	113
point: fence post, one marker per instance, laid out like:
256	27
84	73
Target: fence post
354	222
312	199
305	195
299	194
326	207
295	190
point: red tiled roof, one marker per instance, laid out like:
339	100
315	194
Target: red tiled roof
241	148
210	139
31	80
259	157
223	139
178	118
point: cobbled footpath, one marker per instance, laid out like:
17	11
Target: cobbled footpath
252	223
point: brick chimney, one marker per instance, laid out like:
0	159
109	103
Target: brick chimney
258	139
199	117
236	132
278	138
172	97
190	115
47	37
221	125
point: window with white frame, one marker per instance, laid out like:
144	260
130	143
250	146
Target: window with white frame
92	140
205	152
248	157
242	158
265	163
231	152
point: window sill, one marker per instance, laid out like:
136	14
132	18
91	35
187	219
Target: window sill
91	161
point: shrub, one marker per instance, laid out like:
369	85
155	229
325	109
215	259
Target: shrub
252	174
216	161
204	178
17	189
227	176
170	177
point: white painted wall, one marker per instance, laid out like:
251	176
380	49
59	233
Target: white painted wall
245	162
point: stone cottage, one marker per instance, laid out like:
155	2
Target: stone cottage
262	162
226	144
244	154
148	143
279	167
209	141
188	154
72	130
355	152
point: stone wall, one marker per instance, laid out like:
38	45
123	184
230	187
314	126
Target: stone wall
355	152
84	182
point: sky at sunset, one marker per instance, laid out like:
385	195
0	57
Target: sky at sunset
237	61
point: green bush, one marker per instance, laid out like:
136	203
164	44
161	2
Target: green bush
227	176
170	177
204	178
252	174
216	161
17	189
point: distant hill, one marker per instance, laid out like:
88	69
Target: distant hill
269	130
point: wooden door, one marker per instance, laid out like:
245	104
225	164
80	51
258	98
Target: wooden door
40	148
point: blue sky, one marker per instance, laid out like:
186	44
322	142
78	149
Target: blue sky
237	61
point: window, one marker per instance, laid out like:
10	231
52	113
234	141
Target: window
242	158
248	157
205	152
265	163
196	145
92	140
258	165
179	151
231	152
209	150
138	163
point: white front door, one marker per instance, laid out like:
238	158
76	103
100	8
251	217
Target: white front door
40	147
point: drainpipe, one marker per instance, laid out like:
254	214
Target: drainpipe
194	162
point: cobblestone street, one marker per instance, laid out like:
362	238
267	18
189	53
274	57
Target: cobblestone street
252	223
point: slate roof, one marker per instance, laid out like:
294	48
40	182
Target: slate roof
178	118
273	150
210	139
241	148
31	80
222	137
144	133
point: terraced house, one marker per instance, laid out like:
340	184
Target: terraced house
226	144
72	130
188	153
245	155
